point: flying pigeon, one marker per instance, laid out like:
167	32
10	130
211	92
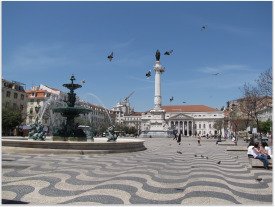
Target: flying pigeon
183	102
171	99
259	179
83	81
179	152
148	74
168	52
219	162
203	27
215	73
111	56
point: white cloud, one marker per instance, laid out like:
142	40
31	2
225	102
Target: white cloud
224	68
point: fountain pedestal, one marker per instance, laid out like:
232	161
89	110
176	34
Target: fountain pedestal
69	131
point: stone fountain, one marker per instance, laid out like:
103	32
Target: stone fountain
69	138
69	131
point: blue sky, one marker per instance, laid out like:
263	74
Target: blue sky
46	42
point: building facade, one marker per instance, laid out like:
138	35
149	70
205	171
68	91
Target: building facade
14	96
189	120
41	100
124	114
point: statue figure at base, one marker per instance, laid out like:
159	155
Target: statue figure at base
111	134
37	132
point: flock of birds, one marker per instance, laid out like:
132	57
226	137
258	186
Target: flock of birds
168	52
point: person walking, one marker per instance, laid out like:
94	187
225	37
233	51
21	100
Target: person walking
199	140
179	139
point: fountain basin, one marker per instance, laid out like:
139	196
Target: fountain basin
98	146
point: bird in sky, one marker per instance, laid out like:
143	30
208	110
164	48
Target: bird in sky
171	99
219	162
168	52
111	56
148	74
183	102
83	81
215	73
203	27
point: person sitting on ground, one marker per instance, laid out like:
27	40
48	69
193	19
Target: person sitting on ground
265	149
249	148
258	155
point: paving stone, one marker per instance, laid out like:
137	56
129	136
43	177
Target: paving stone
158	175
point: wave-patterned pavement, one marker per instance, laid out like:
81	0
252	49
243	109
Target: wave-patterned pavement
165	173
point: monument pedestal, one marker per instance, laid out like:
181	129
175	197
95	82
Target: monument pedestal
155	125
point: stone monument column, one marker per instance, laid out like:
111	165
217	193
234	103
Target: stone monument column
157	99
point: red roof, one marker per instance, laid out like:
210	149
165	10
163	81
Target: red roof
188	108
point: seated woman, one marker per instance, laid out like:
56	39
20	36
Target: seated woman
249	149
256	152
265	149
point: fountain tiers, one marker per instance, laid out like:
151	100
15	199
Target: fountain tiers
70	131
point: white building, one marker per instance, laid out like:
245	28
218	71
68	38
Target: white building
41	100
189	120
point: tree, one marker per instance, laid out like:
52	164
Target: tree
219	125
264	83
253	102
10	119
265	126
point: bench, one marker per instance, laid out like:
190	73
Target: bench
256	163
236	148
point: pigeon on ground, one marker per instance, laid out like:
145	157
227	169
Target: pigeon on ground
179	152
111	56
259	179
195	155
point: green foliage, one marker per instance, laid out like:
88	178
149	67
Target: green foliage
265	126
10	119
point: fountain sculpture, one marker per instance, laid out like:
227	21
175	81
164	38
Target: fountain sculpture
69	131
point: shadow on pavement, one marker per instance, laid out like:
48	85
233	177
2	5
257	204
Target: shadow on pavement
6	201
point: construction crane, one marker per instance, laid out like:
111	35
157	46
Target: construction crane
126	98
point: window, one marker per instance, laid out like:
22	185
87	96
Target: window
21	107
7	104
31	110
204	126
15	95
14	106
22	97
210	126
8	94
199	126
